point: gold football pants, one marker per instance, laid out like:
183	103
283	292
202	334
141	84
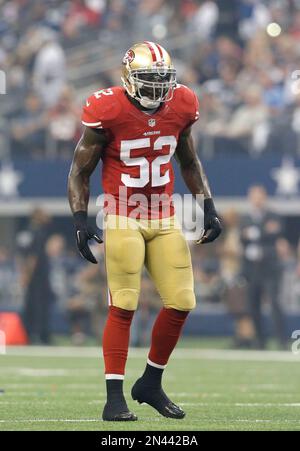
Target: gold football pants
161	247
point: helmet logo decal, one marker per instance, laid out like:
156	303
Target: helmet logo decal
151	122
129	56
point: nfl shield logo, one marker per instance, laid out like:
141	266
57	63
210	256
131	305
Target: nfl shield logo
151	122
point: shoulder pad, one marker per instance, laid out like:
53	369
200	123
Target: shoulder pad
102	108
185	94
186	104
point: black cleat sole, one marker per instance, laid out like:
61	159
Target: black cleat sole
117	413
125	416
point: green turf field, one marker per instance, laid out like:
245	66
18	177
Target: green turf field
62	389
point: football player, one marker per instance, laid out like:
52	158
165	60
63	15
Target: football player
135	130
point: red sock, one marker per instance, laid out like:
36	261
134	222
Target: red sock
115	340
165	334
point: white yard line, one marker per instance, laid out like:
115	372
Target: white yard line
198	404
268	404
43	385
51	420
208	354
152	419
49	372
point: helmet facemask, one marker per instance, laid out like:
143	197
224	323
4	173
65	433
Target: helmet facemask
151	87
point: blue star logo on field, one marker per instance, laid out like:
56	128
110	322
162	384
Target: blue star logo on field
9	180
287	178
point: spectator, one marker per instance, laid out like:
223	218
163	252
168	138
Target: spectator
248	116
296	121
49	72
28	131
225	87
214	114
9	283
82	14
230	252
38	293
205	19
288	264
260	231
208	281
85	307
62	268
63	124
234	52
296	281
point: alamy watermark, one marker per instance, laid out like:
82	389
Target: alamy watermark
296	344
153	211
2	82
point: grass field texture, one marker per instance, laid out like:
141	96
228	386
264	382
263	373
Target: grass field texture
62	388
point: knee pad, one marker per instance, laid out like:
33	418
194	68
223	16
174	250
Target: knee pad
126	299
184	300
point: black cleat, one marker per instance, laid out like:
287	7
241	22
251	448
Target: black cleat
156	398
113	413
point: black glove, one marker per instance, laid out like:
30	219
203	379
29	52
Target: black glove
84	233
212	224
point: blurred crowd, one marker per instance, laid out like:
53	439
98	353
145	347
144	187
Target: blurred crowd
252	270
246	73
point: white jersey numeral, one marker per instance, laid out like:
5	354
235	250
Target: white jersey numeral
105	92
142	162
157	179
145	167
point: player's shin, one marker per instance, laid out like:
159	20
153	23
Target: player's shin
165	334
116	341
115	349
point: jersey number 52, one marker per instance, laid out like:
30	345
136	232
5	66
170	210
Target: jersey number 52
146	167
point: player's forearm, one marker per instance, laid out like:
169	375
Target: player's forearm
86	157
195	179
78	191
191	168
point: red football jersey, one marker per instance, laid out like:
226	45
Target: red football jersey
137	169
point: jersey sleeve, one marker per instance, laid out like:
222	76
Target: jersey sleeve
90	116
187	104
101	109
194	113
